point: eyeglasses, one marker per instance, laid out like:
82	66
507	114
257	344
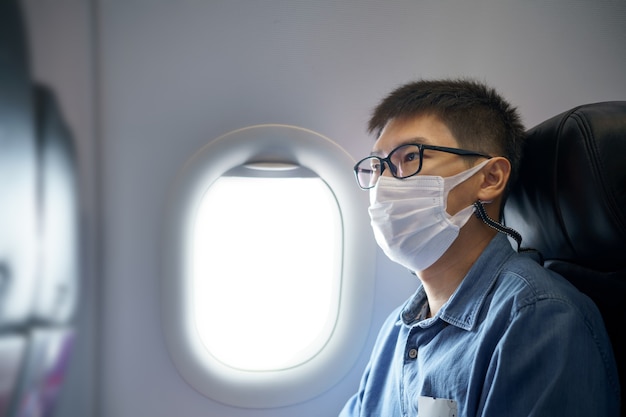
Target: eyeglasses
403	162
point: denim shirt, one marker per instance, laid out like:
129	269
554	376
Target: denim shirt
515	339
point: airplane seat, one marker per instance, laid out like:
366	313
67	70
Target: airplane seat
48	334
39	260
569	203
18	218
58	212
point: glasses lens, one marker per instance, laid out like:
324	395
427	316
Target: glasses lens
406	159
367	172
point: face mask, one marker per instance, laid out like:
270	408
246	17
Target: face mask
409	217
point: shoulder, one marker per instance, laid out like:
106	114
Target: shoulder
527	284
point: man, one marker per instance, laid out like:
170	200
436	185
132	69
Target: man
489	332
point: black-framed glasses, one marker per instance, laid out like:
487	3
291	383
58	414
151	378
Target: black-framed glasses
403	162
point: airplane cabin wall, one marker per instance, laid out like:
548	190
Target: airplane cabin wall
144	84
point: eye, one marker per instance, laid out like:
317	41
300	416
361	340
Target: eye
375	165
411	156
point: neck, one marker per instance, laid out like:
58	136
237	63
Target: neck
441	279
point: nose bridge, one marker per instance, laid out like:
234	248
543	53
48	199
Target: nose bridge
391	167
396	158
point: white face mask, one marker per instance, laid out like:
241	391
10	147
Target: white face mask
409	217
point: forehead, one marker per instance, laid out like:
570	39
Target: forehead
426	129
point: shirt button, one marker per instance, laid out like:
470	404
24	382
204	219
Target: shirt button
413	353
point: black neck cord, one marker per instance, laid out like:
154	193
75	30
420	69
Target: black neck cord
482	215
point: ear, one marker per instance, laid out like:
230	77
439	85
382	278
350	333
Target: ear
496	174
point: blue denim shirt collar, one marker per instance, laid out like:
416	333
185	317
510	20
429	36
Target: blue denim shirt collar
463	307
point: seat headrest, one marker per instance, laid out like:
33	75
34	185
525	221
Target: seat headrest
569	202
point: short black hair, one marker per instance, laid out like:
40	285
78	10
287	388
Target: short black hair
479	118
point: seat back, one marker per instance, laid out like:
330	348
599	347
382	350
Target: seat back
569	203
39	231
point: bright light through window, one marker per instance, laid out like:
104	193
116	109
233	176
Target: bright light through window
266	270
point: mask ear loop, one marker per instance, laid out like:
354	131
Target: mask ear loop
482	215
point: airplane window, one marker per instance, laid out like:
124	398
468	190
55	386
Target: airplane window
267	277
265	255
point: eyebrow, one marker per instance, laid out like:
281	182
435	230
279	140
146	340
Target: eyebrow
410	141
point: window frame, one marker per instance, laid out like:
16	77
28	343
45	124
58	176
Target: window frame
275	388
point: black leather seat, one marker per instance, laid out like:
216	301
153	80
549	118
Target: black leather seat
570	204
